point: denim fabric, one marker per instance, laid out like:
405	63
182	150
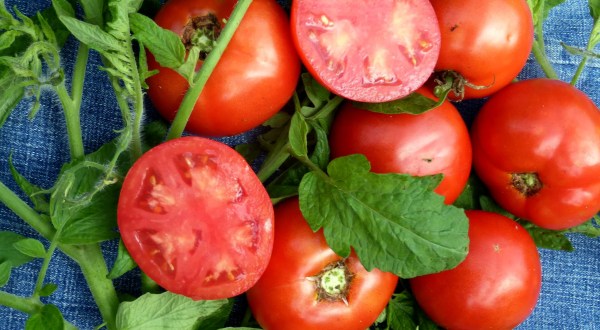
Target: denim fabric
570	297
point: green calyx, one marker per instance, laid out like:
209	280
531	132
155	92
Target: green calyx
333	282
526	183
202	32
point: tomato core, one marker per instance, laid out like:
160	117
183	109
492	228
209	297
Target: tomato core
333	282
526	183
202	32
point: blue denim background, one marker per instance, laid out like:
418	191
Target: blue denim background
570	297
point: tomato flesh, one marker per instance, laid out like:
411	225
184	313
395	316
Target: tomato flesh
287	297
496	287
371	51
196	219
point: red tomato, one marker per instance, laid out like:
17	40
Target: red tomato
291	294
486	42
367	51
536	145
496	287
254	78
433	142
196	219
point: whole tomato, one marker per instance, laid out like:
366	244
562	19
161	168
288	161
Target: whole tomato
496	287
256	75
433	142
485	42
536	146
307	286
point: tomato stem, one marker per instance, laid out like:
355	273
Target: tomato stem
590	47
72	103
191	97
539	51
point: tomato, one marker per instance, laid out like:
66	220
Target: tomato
496	287
367	51
294	292
196	219
254	78
433	142
536	145
488	51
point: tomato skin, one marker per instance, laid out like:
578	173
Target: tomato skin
433	142
196	219
489	51
256	75
284	298
496	287
546	127
340	47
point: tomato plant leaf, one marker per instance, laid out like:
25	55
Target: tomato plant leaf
594	9
123	263
298	135
315	92
91	35
5	270
8	253
48	289
365	211
49	317
10	96
541	8
165	310
35	193
401	311
548	239
165	45
589	228
414	104
31	247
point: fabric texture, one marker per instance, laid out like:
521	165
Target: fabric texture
570	297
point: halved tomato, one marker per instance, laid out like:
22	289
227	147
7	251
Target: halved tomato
196	219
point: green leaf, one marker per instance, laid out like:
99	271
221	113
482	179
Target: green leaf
5	269
91	35
7	38
316	93
401	311
413	104
10	96
31	247
366	211
548	239
48	289
580	51
165	45
63	8
35	193
298	135
541	8
8	253
165	311
589	228
49	318
594	6
471	194
94	11
123	263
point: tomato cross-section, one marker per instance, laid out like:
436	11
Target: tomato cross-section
196	219
371	51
